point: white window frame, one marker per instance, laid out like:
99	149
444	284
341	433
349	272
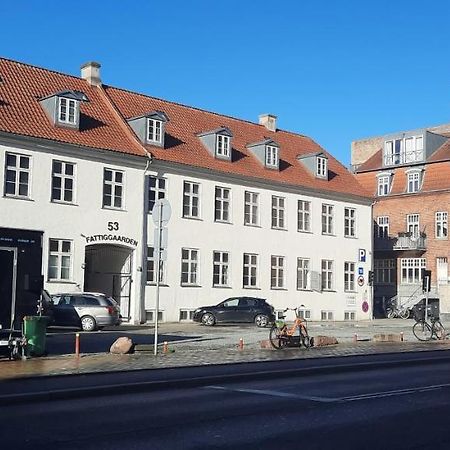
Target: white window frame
250	271
277	272
271	156
321	166
413	182
251	208
156	192
223	145
114	186
60	254
327	219
385	271
304	313
303	274
350	222
383	185
304	216
411	270
154	130
190	263
441	224
383	227
150	315
327	266
189	314
64	178
151	265
221	268
18	173
222	204
395	151
326	315
349	276
413	224
350	315
67	110
278	212
191	200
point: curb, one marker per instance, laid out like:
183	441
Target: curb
184	382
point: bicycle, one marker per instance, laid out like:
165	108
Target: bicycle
281	335
423	331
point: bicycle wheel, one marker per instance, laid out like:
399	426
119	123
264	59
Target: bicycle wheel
422	331
390	313
438	330
278	338
404	313
304	336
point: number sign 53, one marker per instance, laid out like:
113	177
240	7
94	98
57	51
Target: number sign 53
113	226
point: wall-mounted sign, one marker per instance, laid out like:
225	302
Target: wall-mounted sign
360	271
360	280
365	306
362	255
111	239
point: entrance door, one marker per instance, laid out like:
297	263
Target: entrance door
442	270
7	285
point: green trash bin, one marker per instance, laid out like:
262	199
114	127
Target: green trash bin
34	329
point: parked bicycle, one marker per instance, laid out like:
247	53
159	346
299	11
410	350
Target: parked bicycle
281	335
425	331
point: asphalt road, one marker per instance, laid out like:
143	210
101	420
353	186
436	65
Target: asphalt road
401	407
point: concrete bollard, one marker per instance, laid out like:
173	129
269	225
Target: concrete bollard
401	336
77	345
355	338
241	344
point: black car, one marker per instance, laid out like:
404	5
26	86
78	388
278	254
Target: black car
237	310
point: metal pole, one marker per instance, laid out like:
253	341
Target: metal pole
426	298
157	269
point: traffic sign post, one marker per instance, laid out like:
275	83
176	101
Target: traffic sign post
161	213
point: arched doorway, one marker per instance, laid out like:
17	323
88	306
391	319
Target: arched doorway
108	269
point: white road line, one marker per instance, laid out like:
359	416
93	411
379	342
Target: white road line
352	398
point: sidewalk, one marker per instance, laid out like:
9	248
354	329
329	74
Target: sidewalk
219	345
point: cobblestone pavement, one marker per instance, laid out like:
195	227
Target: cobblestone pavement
219	345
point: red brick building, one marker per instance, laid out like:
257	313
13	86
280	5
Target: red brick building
408	173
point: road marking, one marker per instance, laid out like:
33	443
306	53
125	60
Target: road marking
351	398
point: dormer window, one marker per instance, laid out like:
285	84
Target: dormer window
271	156
403	150
67	110
223	146
321	167
384	184
414	180
154	128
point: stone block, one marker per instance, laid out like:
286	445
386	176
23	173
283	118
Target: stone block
322	341
391	337
122	346
266	345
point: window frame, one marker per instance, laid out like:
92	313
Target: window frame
349	276
272	156
383	226
385	271
69	102
383	185
327	219
193	267
189	197
321	166
223	147
349	222
441	223
60	254
413	182
413	267
327	275
155	130
278	209
277	272
17	174
413	226
223	269
247	267
157	190
303	274
114	184
306	216
151	261
251	209
63	177
219	204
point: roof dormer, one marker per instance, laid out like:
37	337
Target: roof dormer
218	142
150	128
63	108
267	152
316	163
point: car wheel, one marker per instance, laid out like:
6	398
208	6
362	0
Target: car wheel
88	323
261	321
208	319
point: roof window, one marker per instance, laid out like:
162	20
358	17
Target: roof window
316	163
150	128
267	152
218	142
403	150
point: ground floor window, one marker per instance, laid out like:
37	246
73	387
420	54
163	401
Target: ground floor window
150	316
412	270
326	315
349	315
60	259
151	264
304	313
186	315
385	271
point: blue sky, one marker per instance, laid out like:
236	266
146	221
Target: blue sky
333	70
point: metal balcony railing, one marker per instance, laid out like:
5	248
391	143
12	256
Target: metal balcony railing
410	241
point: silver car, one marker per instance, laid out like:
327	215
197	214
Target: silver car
86	310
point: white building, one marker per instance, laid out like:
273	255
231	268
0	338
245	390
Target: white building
256	211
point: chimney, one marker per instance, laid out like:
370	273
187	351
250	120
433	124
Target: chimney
269	121
91	73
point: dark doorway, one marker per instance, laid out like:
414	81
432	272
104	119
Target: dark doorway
7	285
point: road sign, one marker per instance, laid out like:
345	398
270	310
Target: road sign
360	271
360	280
362	255
161	206
365	306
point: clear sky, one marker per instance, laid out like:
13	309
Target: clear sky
333	70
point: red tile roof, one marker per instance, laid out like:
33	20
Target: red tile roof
104	126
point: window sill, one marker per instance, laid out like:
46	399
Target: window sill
329	290
351	237
278	288
328	234
154	284
305	231
444	238
279	229
223	222
192	218
61	281
191	285
252	288
221	287
57	202
18	197
350	292
251	225
110	208
304	290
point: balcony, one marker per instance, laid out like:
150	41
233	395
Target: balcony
409	241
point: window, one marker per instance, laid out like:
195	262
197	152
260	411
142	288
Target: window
67	111
384	185
156	190
349	222
349	315
404	150
151	265
412	270
349	276
277	272
326	315
63	181
382	227
154	130
250	270
412	222
189	267
327	275
304	216
441	225
60	259
251	208
222	204
327	219
413	182
150	316
278	212
17	175
220	269
303	275
321	167
186	315
271	156
191	200
304	313
223	145
384	271
113	188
